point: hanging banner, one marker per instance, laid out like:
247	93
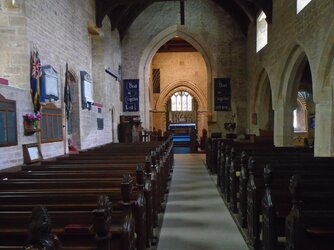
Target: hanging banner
222	94
131	95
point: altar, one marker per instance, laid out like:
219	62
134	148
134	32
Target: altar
181	128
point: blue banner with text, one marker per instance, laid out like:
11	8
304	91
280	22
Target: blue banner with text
131	95
222	97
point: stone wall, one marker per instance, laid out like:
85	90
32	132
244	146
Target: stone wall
13	155
178	67
59	30
14	58
209	29
178	70
293	36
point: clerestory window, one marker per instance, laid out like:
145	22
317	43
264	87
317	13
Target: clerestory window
301	4
261	31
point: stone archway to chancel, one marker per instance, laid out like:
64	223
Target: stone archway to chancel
194	91
145	67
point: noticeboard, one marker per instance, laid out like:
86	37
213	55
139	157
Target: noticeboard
222	94
131	95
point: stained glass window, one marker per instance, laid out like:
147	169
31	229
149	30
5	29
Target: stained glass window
181	101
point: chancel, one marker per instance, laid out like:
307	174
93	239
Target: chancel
166	124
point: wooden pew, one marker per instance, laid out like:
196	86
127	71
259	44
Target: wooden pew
98	186
74	226
163	156
283	171
310	219
255	164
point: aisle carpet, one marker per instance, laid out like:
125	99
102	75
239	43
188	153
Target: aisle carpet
196	217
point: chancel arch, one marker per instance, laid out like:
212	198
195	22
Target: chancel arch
145	67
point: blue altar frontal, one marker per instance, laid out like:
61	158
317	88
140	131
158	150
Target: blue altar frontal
181	128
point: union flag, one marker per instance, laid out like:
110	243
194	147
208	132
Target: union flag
36	73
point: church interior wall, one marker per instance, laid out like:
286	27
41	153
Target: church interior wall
178	68
306	31
206	23
59	30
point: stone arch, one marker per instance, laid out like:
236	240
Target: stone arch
325	73
73	76
179	86
260	89
292	71
261	104
152	48
287	91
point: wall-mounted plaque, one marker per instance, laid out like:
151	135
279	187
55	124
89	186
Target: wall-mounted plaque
8	130
131	95
86	90
49	84
222	94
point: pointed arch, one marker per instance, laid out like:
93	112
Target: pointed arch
190	87
261	104
261	89
152	48
325	73
291	74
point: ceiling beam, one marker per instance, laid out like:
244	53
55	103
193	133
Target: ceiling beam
134	12
234	10
266	6
104	7
248	9
122	13
116	15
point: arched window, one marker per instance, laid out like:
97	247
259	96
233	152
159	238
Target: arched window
181	101
301	4
261	32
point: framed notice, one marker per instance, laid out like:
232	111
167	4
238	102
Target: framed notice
131	95
222	94
32	153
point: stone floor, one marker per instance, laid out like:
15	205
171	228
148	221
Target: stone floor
196	217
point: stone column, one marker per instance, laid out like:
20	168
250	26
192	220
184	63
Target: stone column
202	122
159	120
324	129
283	128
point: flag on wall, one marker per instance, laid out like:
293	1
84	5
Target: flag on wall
67	94
36	73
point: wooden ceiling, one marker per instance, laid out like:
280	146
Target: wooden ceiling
177	44
123	12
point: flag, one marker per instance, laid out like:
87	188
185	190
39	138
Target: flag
36	73
67	95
